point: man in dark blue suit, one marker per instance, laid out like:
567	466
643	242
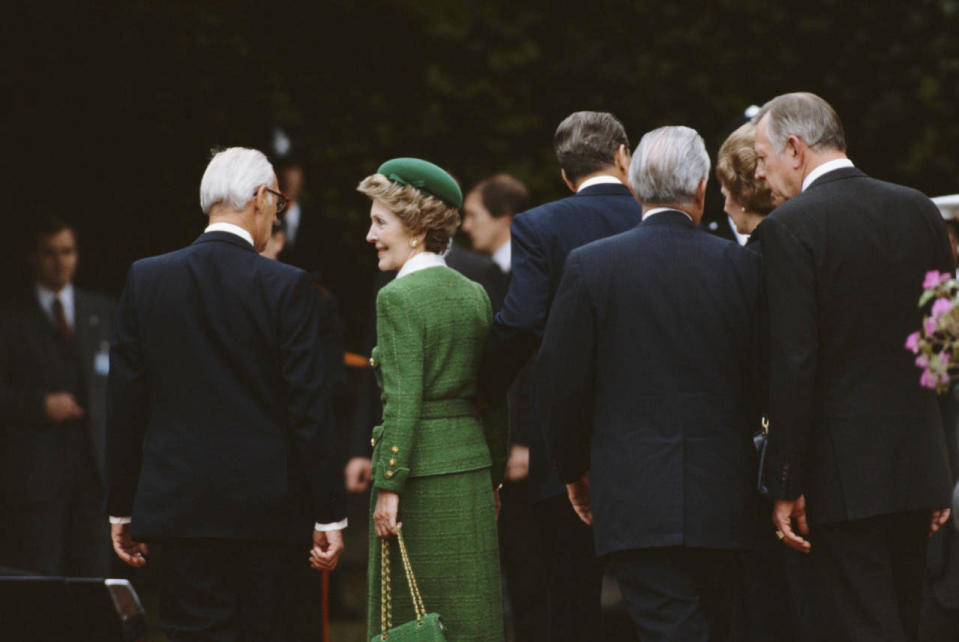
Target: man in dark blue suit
221	446
644	385
593	153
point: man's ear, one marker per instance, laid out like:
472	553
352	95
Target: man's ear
261	198
701	194
569	183
795	151
623	159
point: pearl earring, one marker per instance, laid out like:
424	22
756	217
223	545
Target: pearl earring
414	243
743	209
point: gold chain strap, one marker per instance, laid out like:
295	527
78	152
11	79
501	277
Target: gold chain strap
411	580
386	589
386	593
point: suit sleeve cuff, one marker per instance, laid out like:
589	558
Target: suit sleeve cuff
335	526
120	520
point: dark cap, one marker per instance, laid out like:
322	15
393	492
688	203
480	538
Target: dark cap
424	176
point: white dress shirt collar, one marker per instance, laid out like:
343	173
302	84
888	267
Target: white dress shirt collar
598	180
232	229
503	256
46	297
828	166
419	262
660	210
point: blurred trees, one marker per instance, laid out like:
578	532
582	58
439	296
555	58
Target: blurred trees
115	106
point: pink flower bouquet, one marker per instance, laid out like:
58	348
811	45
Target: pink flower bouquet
936	344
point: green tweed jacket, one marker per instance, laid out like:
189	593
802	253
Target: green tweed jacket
432	326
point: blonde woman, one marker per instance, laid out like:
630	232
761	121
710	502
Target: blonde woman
432	459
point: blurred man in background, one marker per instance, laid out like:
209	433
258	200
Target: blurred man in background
53	369
488	211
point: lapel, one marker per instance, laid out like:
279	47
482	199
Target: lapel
40	315
86	328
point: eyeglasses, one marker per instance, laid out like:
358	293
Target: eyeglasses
282	200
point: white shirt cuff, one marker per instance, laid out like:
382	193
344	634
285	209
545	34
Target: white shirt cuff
336	526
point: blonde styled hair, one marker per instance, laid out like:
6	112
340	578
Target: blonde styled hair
736	170
418	211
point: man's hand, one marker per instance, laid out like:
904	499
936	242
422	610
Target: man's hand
517	466
327	546
357	473
61	406
133	553
384	513
784	511
578	493
938	518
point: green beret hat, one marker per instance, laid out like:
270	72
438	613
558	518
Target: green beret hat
424	176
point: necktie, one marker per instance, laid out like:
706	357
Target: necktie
60	321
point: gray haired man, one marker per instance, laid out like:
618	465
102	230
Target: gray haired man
644	386
857	458
223	464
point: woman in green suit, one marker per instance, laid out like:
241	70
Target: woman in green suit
434	466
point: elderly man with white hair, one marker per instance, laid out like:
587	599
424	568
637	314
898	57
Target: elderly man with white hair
644	375
857	458
221	446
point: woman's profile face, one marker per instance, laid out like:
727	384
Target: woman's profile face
390	237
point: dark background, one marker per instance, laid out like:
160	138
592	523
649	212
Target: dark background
112	108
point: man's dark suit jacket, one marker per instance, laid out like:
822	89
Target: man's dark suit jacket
850	426
541	239
220	389
644	381
34	452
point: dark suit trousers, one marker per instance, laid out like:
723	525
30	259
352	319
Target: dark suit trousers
864	578
523	562
226	590
68	535
678	593
574	575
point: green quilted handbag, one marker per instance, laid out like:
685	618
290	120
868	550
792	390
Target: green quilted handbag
427	627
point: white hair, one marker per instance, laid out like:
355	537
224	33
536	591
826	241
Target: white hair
234	175
805	116
668	165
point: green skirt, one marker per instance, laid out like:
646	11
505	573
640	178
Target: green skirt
449	526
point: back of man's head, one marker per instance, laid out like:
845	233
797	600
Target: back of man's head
668	165
806	116
502	195
586	143
232	176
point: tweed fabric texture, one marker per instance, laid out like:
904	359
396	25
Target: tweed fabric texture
432	327
449	527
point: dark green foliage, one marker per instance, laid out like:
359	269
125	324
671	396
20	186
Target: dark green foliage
115	109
